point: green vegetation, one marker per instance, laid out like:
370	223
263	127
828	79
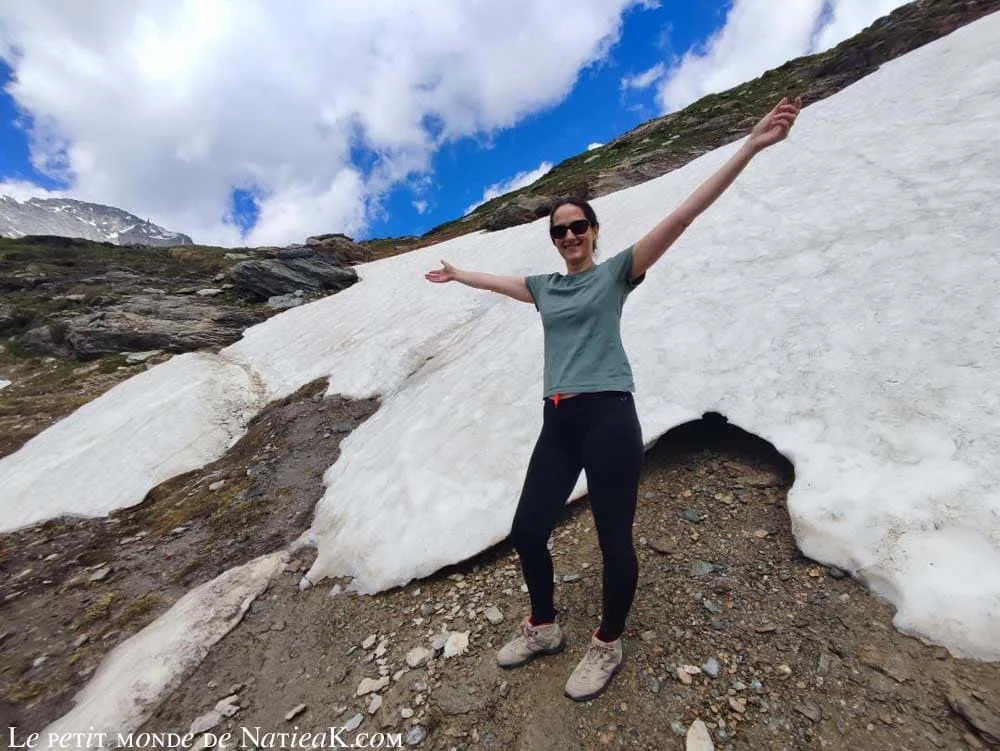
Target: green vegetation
136	610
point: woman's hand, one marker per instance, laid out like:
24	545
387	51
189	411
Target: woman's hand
776	124
447	273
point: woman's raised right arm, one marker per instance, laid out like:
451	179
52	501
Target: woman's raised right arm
512	286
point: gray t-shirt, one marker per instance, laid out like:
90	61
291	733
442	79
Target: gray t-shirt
581	316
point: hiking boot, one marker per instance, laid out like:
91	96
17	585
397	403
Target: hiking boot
532	642
594	672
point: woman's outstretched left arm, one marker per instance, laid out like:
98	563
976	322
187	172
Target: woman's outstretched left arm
769	131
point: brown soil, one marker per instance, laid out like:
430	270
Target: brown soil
72	589
830	670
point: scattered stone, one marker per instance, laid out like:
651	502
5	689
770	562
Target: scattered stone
382	648
809	710
571	578
493	615
712	607
701	568
698	738
228	706
439	640
648	636
783	671
416	735
294	712
711	667
738	705
406	713
354	723
653	685
457	644
661	545
369	642
823	668
692	515
766	628
684	676
760	534
982	717
836	573
101	574
418	657
336	590
218	485
455	700
889	665
284	302
278	626
370	685
137	358
374	703
208	292
205	723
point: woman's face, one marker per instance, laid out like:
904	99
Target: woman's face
575	249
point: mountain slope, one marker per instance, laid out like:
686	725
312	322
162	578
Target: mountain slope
67	217
664	144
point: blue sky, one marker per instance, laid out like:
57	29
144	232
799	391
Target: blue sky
597	110
379	121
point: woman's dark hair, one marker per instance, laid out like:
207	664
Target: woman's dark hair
586	208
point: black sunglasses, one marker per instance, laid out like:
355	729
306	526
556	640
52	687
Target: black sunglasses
579	227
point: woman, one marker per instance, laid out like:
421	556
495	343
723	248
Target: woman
589	418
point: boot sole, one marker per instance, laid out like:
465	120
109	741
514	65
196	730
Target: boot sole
602	689
535	655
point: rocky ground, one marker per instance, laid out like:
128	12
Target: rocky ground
731	624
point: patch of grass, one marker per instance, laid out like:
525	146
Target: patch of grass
189	568
99	609
22	692
136	610
111	363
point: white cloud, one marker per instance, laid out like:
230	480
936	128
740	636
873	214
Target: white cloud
595	145
518	181
645	79
163	108
848	17
420	206
762	34
23	190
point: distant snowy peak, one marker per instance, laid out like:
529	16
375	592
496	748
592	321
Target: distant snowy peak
66	217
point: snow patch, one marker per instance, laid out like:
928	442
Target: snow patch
838	302
137	673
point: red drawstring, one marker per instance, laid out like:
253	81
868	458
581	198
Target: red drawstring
555	399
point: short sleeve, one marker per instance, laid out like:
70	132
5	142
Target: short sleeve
621	267
534	285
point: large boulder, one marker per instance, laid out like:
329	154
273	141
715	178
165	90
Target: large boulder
342	248
520	210
264	279
143	322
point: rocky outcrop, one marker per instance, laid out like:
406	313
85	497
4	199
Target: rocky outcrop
263	279
142	322
521	210
341	248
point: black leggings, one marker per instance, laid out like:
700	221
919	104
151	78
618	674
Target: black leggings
600	434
